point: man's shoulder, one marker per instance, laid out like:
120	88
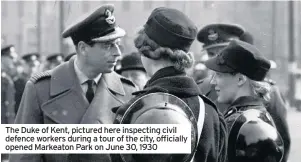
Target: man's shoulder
126	81
37	77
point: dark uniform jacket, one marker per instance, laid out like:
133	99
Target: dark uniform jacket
20	83
239	105
7	99
234	112
276	108
212	145
55	97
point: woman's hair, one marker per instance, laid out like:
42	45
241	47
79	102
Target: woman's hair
151	49
261	89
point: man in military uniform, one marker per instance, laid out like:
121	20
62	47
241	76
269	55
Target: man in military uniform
132	68
240	70
87	79
215	37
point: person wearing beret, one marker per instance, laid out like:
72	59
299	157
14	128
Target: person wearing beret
164	44
132	68
82	90
240	70
216	37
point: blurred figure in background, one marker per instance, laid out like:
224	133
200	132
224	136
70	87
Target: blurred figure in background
9	58
32	62
53	61
200	71
8	70
132	68
69	56
20	80
215	37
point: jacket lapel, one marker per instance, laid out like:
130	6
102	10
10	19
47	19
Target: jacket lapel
109	94
68	103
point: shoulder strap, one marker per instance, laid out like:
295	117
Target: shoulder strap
201	119
41	75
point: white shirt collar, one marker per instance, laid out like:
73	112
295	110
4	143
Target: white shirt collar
81	76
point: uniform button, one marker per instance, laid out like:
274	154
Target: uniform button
64	112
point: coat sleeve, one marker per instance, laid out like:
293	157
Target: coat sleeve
278	111
29	113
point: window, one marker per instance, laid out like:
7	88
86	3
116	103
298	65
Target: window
126	5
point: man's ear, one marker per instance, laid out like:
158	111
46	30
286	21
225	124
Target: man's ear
241	79
82	47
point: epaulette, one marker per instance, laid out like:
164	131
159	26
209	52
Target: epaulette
38	76
127	81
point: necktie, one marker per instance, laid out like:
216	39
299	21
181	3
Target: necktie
90	91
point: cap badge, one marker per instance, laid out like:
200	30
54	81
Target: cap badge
212	35
33	57
220	60
110	18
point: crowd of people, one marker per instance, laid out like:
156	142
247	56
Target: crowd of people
236	112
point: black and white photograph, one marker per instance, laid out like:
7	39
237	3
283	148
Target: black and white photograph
229	69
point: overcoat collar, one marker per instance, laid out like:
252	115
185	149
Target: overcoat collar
64	78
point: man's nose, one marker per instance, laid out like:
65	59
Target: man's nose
116	50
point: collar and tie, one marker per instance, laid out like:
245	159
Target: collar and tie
90	91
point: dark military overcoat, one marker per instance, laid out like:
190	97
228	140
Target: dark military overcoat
55	97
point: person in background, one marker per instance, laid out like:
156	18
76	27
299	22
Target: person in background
9	58
240	70
53	60
32	61
132	68
215	37
69	56
200	71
